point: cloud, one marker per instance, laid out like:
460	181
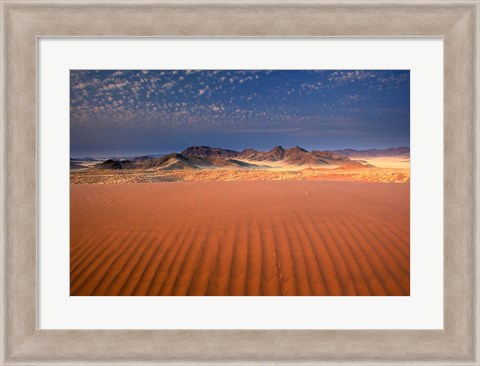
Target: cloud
233	99
241	81
216	107
373	79
168	85
309	87
354	97
203	91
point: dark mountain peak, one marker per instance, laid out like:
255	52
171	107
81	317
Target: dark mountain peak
277	148
199	147
169	161
195	150
207	151
297	149
173	156
166	158
249	154
300	148
294	154
402	150
249	151
277	152
114	164
143	158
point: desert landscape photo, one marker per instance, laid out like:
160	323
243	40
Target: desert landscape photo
240	183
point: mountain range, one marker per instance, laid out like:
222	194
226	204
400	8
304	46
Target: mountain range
205	157
370	153
292	156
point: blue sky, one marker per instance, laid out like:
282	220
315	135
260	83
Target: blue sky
130	112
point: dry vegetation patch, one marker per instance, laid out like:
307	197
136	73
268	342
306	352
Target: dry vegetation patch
207	175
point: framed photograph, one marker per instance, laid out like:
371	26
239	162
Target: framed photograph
229	183
259	220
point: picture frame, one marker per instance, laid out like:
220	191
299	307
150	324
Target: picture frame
23	22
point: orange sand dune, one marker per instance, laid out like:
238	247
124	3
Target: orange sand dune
240	238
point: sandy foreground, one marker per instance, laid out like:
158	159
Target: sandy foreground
240	238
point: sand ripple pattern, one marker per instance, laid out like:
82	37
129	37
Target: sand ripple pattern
272	238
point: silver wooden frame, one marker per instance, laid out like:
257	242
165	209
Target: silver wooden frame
23	21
